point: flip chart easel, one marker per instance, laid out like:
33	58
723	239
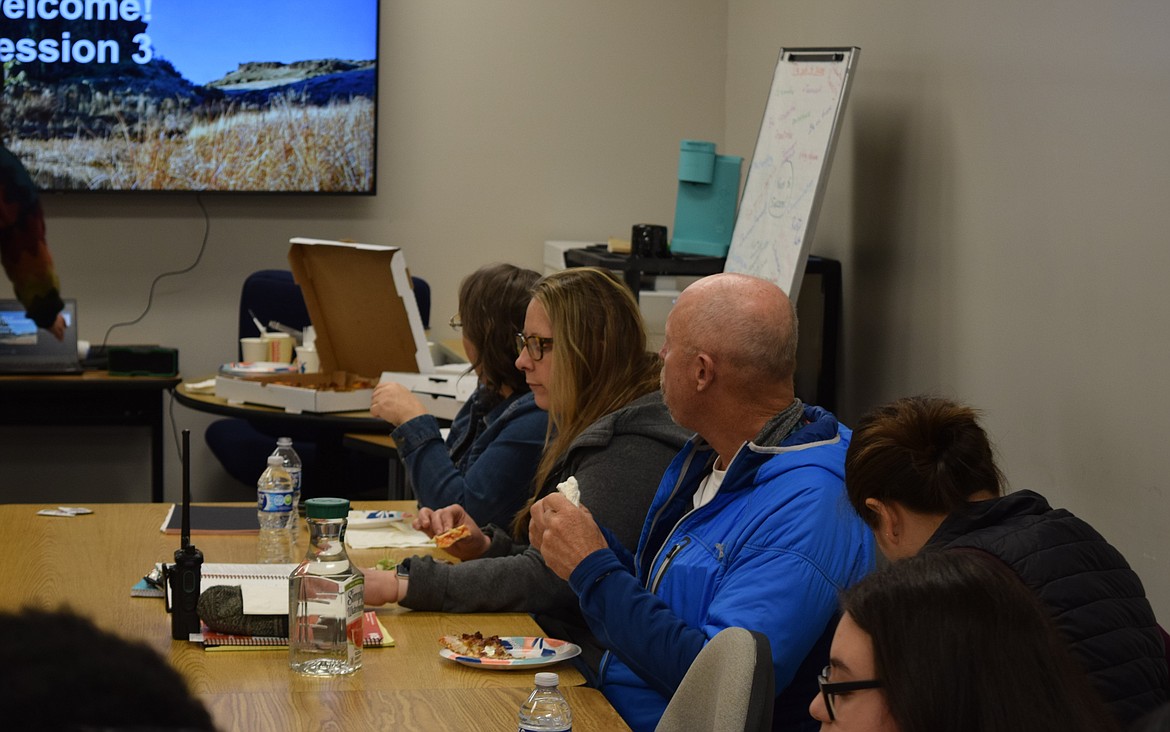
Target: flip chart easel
790	167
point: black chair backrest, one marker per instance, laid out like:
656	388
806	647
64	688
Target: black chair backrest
273	294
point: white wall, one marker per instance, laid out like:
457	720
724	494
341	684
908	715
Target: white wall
999	203
502	124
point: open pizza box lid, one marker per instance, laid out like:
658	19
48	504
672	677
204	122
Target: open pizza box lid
361	303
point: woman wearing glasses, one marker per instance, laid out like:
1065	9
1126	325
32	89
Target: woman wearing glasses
921	472
487	462
951	642
583	354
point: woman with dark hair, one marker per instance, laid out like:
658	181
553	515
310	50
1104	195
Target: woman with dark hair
920	471
951	642
490	455
583	353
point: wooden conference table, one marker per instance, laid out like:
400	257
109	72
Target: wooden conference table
90	562
340	431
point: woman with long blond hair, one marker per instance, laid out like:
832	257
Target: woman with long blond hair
583	354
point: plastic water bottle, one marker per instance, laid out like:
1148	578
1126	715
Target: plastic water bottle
326	597
274	502
292	463
545	709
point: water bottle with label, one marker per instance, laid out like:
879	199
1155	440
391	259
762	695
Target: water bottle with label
292	463
274	507
326	597
545	709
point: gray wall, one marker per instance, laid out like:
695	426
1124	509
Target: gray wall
999	203
997	200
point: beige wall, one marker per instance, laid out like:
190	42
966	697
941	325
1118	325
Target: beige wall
999	202
502	124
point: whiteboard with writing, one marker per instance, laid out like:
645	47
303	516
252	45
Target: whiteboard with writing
789	170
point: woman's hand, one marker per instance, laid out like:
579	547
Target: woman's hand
394	403
383	586
432	523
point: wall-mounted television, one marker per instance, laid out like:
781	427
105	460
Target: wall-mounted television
261	96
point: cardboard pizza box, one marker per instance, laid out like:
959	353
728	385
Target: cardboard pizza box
361	303
443	391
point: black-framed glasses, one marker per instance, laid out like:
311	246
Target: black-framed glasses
455	322
830	689
535	344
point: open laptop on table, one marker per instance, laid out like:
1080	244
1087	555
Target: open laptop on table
27	349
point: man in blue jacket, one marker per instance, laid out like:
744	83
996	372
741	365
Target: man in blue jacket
750	526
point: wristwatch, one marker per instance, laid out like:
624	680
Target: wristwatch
403	568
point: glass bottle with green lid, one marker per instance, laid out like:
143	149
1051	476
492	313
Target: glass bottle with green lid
326	597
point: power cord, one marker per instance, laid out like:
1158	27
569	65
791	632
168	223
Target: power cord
150	296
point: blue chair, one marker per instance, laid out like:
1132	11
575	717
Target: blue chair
242	445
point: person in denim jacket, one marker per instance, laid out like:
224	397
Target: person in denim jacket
487	462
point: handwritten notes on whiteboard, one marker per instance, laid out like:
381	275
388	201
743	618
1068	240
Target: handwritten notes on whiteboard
789	170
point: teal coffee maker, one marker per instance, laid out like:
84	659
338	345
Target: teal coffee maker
708	188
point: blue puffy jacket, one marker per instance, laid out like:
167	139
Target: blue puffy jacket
769	553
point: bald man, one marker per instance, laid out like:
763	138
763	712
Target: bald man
750	526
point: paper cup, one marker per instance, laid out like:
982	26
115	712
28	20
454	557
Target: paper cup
254	349
307	360
280	347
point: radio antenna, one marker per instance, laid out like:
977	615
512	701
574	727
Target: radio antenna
185	541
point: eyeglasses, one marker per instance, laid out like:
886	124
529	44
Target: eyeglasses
535	344
455	322
830	690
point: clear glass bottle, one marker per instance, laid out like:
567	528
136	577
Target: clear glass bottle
545	709
274	497
292	463
326	597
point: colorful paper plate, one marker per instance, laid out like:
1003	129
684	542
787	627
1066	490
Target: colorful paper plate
526	651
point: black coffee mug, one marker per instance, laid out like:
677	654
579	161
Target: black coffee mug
649	240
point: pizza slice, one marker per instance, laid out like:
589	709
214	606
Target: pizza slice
474	645
450	536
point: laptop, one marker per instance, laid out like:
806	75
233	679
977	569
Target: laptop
27	349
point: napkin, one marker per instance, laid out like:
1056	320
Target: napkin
394	534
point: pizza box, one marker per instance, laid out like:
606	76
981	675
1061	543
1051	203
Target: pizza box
338	391
361	303
443	392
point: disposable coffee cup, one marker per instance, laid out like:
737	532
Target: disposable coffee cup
307	361
280	346
254	349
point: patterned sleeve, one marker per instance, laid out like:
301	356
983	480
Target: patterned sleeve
24	252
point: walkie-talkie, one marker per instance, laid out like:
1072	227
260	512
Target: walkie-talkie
186	573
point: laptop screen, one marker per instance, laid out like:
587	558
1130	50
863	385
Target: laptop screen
24	346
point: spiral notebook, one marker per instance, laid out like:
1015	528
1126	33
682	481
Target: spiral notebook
375	636
264	588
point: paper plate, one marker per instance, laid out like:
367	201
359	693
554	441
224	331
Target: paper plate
255	368
527	652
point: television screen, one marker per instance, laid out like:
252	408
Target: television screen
192	95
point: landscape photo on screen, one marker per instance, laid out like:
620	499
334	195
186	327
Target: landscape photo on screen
182	95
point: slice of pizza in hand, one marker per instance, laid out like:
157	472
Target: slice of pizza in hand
570	490
450	536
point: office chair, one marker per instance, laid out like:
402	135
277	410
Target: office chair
729	688
241	445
